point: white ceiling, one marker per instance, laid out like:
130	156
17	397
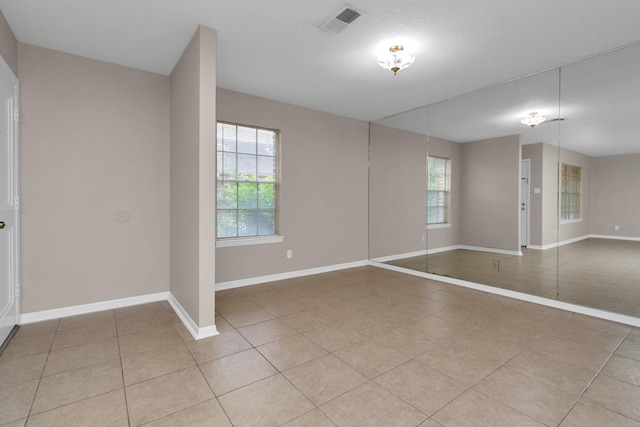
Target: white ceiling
274	49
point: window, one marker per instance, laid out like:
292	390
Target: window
438	189
247	181
570	192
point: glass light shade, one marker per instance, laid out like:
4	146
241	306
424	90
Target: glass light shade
533	120
397	59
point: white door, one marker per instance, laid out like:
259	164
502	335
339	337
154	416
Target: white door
9	214
524	202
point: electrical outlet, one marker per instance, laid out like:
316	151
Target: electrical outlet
616	227
496	264
289	254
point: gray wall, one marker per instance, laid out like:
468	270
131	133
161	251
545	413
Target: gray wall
491	193
615	195
8	45
193	177
94	142
323	192
397	199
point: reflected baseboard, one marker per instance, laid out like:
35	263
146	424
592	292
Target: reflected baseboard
445	249
577	239
602	314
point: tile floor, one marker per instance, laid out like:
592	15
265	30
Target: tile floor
599	273
358	347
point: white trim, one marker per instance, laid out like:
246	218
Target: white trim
436	226
601	236
400	256
492	250
245	241
289	275
570	221
195	331
442	249
562	243
607	315
57	313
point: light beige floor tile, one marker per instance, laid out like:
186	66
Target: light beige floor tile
602	340
623	369
108	409
142	341
489	347
162	396
238	319
149	322
154	363
48	327
534	398
84	335
371	405
27	346
17	423
464	367
629	348
16	400
615	395
324	378
586	414
269	402
221	324
291	352
556	372
71	386
183	332
430	423
372	358
475	409
587	357
424	388
237	370
266	332
224	344
335	336
304	321
313	418
206	414
101	317
407	341
22	370
140	310
82	355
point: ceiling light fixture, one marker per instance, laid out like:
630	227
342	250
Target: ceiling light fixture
533	120
397	59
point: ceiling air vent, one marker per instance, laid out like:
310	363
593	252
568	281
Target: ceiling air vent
341	19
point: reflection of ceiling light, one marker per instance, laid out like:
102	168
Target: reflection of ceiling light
397	59
533	120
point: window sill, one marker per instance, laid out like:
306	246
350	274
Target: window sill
434	226
570	221
246	241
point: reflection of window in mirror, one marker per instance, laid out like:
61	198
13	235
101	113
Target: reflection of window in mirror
438	191
570	193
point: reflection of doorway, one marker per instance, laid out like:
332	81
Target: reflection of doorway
524	202
9	215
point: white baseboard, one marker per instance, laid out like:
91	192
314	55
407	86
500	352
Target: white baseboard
57	313
602	236
195	331
289	275
607	315
491	250
400	256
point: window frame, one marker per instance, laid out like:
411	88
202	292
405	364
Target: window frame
446	191
564	208
252	239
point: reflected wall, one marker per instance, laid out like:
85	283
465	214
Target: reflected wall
504	226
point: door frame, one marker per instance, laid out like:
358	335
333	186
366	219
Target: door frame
526	199
9	78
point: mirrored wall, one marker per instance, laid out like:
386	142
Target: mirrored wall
464	189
